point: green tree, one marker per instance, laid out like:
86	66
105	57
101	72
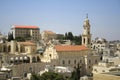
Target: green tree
77	40
60	36
66	35
76	73
70	36
35	77
48	76
20	39
51	76
10	36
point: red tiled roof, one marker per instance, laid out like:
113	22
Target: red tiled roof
29	27
70	48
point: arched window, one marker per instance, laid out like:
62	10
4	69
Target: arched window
21	59
4	48
9	48
63	62
28	60
89	67
88	41
50	55
11	60
101	58
38	59
25	74
74	61
69	62
84	40
16	60
33	59
25	59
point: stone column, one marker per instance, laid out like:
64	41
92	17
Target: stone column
13	47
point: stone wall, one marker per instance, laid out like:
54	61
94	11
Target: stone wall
22	69
105	77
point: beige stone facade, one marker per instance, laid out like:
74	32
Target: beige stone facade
65	57
21	57
86	36
48	35
19	52
15	47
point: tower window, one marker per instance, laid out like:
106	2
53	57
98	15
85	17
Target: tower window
88	32
84	41
89	67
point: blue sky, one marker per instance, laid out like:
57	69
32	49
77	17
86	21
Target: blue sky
63	16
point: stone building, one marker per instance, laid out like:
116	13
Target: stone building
99	44
26	32
48	35
23	54
69	55
19	52
20	57
15	47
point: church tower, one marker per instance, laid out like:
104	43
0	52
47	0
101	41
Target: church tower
86	36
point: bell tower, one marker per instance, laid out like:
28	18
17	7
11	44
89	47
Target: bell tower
86	36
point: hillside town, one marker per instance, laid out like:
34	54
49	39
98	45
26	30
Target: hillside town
26	50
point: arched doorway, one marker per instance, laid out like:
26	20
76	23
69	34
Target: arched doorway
28	59
21	59
11	60
4	48
38	59
33	59
25	59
